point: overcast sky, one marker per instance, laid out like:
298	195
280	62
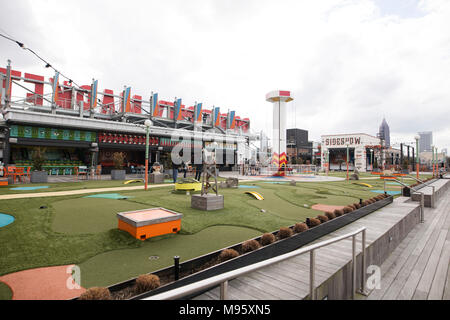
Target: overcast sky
347	63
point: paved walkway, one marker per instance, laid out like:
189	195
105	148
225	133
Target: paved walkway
419	267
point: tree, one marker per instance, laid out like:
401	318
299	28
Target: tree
38	158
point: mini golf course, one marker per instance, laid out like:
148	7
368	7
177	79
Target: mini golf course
82	230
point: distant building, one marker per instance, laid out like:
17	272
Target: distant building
384	133
425	141
297	144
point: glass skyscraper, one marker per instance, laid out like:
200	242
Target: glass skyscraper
384	133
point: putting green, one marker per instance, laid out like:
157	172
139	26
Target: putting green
115	196
5	291
118	265
89	215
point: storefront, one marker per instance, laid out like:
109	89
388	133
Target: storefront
64	148
361	149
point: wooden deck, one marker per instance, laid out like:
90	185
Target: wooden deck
290	279
419	267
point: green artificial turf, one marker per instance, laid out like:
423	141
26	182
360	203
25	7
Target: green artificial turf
5	292
89	215
119	265
78	230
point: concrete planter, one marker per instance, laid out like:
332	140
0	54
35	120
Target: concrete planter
117	174
39	177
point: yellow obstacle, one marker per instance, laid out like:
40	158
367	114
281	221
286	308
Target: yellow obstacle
134	180
255	194
188	184
363	184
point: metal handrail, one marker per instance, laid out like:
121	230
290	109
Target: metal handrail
223	278
422	197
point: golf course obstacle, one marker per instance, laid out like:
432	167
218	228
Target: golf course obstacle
133	181
363	184
148	223
208	201
188	184
256	195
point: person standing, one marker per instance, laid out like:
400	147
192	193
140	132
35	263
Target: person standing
174	172
198	171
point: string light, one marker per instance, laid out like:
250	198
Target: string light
47	64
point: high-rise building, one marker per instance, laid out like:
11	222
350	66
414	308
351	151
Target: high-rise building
384	133
298	145
425	141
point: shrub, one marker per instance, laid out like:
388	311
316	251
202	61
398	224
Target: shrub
38	158
356	205
147	282
284	232
347	209
338	212
267	238
250	245
312	222
300	227
322	218
330	215
118	160
228	254
96	293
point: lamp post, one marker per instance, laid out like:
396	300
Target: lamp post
347	161
371	154
147	123
437	163
432	158
382	154
417	137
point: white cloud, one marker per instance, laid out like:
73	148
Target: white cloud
348	63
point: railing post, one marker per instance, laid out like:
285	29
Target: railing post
353	266
422	207
312	265
363	265
432	197
224	290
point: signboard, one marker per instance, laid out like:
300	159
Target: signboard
19	131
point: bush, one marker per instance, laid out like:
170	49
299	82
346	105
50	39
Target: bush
356	206
118	160
38	158
312	222
322	218
250	245
347	209
338	212
267	238
284	232
300	227
330	215
228	254
147	282
96	293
